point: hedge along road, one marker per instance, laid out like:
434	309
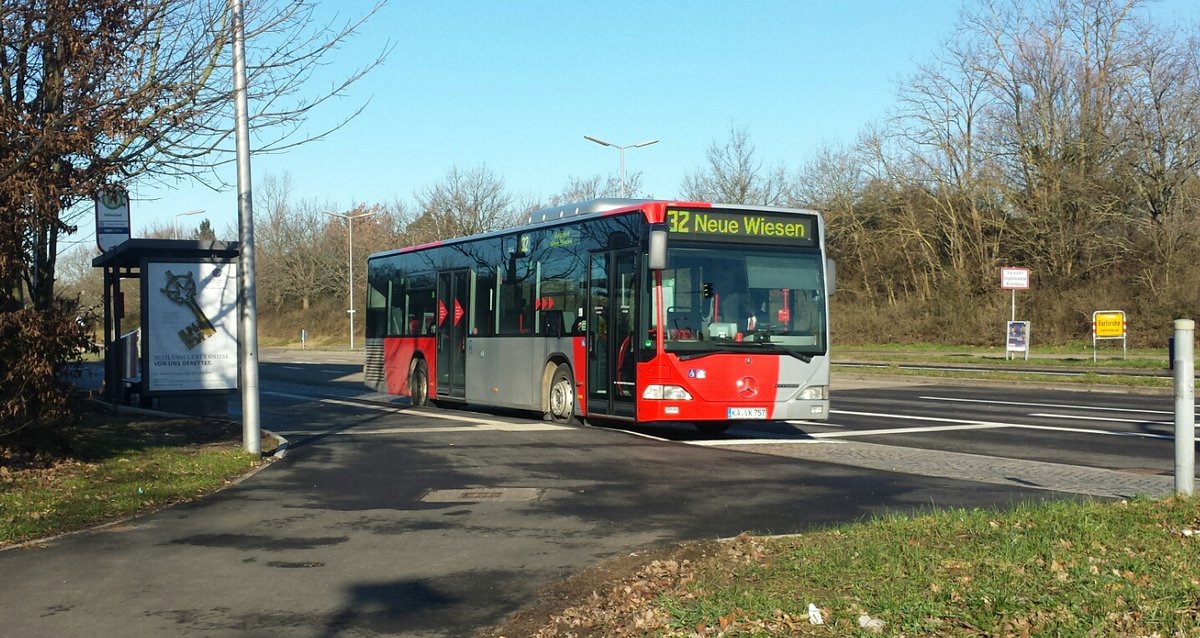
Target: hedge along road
387	521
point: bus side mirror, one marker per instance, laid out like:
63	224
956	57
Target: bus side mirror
830	277
658	247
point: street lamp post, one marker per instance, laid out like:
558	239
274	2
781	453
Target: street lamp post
350	226
624	191
175	229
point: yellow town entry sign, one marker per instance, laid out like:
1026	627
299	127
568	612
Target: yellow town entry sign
1109	324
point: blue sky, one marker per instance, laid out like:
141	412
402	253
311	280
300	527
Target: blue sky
515	85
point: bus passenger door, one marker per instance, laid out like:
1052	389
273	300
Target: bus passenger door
453	308
612	344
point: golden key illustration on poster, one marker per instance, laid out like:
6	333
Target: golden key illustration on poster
181	289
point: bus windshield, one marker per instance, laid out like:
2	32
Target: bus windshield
721	298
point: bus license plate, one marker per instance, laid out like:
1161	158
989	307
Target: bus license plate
747	413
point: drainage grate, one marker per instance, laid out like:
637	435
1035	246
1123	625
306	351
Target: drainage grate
483	495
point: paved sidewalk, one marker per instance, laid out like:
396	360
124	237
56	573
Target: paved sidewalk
968	467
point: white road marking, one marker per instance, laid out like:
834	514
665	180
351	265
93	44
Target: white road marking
483	427
1046	405
935	419
1100	418
965	424
758	442
291	367
478	422
826	424
914	430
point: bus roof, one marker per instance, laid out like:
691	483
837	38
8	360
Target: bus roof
566	213
579	211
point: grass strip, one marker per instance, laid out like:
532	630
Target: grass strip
117	466
1069	568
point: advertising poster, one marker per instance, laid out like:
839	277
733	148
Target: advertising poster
191	316
1018	337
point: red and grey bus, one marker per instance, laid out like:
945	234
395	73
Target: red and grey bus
613	309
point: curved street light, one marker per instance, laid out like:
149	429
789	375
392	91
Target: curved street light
175	228
624	191
350	225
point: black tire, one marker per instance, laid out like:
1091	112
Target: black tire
712	427
418	384
560	395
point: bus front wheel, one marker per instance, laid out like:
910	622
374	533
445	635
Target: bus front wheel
418	384
560	397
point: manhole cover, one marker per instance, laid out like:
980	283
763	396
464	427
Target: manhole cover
483	495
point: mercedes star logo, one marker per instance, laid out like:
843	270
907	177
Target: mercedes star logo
747	387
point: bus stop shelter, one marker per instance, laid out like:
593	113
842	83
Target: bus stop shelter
183	357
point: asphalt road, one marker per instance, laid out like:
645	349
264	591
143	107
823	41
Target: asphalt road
382	520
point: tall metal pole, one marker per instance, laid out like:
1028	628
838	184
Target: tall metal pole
350	224
248	353
624	190
1185	407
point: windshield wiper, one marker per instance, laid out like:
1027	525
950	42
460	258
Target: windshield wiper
803	356
697	355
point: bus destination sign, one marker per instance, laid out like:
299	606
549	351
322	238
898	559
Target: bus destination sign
742	226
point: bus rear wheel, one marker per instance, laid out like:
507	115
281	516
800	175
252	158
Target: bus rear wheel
418	384
560	395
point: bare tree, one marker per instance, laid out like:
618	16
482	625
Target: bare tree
111	91
942	122
833	181
735	176
298	260
1053	71
463	203
579	189
77	278
1160	113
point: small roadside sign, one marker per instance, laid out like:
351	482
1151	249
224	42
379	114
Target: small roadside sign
112	217
1109	324
1014	278
1018	338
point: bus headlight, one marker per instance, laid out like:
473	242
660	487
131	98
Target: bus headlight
666	393
815	393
